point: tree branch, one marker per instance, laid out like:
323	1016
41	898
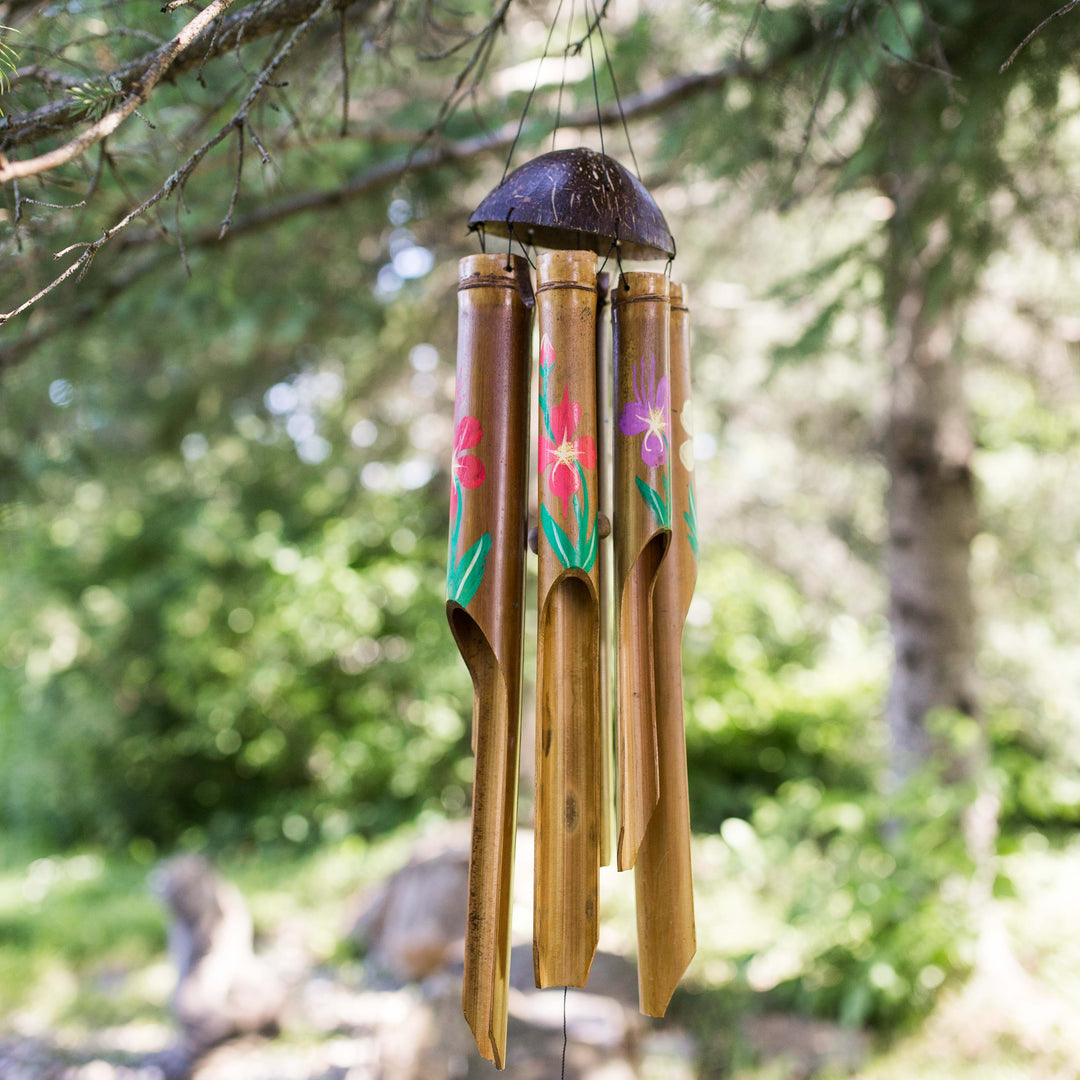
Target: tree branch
235	29
177	179
163	60
378	177
638	106
1063	10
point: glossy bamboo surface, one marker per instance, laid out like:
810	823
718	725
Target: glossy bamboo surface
642	531
485	606
666	933
567	833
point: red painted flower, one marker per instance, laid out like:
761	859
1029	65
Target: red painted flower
564	453
468	469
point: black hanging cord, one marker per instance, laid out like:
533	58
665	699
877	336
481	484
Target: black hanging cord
528	100
562	1074
565	58
615	87
510	238
599	119
671	258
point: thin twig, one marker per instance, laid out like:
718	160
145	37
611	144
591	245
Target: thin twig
55	206
1063	10
752	26
180	176
180	234
823	88
109	123
344	75
477	61
263	152
227	221
237	27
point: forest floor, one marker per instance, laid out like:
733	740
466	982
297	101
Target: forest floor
85	982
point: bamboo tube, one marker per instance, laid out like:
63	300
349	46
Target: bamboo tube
485	605
567	851
642	530
603	565
667	939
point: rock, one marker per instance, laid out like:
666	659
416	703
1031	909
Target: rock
413	925
223	989
808	1046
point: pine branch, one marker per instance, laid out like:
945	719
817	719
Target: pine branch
234	30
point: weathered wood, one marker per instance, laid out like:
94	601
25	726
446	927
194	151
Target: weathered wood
642	531
576	199
485	606
568	781
666	934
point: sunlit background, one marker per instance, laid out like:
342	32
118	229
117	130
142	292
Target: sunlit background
223	511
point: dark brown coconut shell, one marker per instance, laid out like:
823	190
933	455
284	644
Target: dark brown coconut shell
576	200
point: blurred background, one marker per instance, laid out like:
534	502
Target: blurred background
224	496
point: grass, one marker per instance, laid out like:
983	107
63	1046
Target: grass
82	946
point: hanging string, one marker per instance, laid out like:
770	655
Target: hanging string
565	60
562	1074
528	100
671	258
615	87
599	118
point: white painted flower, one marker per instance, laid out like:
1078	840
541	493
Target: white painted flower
686	450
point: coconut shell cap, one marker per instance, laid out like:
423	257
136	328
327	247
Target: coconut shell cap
576	200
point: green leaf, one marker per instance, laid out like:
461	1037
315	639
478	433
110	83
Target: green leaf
654	502
470	571
690	517
558	539
588	549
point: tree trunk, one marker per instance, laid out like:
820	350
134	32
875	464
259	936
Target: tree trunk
932	520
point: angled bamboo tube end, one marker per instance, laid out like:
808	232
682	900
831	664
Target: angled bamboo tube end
639	778
642	531
485	605
487	951
566	924
568	780
667	937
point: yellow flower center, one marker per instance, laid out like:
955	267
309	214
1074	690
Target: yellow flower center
565	454
657	426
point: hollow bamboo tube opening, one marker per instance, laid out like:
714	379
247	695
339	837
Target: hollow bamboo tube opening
666	931
485	606
642	530
568	780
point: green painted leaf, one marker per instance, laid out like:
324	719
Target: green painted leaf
690	516
654	502
469	571
558	539
588	552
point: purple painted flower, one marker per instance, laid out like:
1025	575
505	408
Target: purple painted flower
649	413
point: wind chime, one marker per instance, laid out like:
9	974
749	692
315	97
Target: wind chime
616	546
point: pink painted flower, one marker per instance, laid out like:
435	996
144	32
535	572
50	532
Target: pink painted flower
564	453
468	469
649	414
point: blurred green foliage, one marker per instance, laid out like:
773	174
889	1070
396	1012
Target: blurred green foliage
223	508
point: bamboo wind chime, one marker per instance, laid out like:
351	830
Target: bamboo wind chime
577	204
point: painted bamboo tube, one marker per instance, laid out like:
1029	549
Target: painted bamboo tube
603	566
642	530
567	851
667	938
485	605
